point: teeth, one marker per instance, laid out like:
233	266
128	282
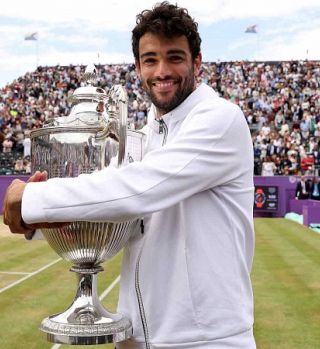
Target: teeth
164	84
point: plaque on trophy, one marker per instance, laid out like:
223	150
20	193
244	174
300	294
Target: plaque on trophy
95	135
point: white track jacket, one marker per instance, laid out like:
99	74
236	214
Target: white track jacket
194	188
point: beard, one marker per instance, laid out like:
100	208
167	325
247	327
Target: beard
185	88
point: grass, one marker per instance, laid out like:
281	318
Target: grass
286	281
25	305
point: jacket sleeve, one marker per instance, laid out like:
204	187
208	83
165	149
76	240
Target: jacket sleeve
213	147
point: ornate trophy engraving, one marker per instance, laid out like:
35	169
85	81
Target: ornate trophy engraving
95	135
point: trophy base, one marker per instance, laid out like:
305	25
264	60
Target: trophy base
86	321
106	331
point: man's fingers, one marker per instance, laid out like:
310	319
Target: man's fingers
47	225
35	177
18	227
28	229
38	177
12	207
44	176
29	236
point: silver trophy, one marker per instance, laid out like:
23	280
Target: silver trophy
95	135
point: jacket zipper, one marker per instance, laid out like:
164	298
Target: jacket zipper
139	295
163	129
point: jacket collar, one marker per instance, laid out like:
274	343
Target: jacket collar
201	93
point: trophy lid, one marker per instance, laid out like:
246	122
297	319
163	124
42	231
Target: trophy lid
88	112
98	113
89	92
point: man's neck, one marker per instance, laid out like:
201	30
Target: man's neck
159	114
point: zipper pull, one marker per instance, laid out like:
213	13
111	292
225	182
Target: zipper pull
161	126
141	227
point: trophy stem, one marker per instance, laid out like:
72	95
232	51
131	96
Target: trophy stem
86	304
86	321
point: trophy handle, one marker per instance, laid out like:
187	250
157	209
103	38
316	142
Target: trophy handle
117	108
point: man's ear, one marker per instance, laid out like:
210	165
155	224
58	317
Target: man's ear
197	64
137	64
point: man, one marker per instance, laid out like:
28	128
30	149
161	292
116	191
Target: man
315	188
303	189
185	280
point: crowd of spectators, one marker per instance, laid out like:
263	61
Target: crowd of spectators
280	100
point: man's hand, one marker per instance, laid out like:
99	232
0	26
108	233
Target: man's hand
12	207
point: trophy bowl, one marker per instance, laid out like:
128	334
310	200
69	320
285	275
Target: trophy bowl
95	135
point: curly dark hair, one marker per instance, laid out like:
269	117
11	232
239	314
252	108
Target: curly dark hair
167	20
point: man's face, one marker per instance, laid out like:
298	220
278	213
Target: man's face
166	70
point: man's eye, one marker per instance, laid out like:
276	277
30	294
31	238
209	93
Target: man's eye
176	58
149	61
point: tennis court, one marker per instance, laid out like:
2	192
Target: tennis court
35	282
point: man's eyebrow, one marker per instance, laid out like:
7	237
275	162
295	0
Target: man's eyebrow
169	52
148	54
177	51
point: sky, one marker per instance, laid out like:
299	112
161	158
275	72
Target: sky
99	31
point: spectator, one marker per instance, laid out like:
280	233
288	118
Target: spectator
27	165
7	145
307	164
19	167
268	167
26	144
315	189
285	165
305	126
303	189
316	156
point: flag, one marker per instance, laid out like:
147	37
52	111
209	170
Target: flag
32	36
252	29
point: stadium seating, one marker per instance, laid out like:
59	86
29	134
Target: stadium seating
280	101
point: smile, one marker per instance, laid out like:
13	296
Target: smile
164	86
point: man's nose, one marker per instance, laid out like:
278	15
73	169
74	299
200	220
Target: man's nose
163	69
